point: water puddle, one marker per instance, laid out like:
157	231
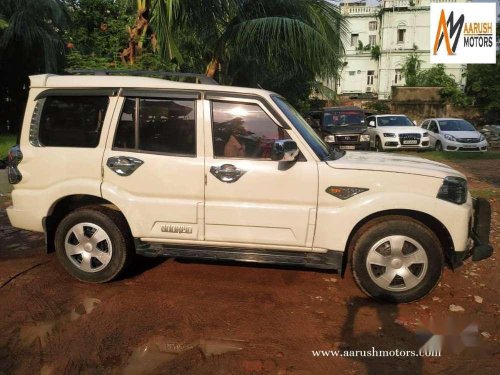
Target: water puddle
40	331
161	350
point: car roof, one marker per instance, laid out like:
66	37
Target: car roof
105	81
345	108
443	118
391	115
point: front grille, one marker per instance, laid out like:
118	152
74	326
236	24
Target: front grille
347	138
468	149
468	140
409	137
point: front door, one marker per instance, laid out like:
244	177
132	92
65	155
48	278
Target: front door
153	166
250	199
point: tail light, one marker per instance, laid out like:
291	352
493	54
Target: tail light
14	158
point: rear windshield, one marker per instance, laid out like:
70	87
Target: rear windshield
335	118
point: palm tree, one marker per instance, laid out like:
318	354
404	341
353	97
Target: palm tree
306	32
30	29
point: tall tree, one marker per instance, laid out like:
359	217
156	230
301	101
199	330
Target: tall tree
30	43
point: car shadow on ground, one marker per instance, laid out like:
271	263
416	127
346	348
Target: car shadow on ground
383	343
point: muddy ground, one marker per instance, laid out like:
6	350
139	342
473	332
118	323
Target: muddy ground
176	317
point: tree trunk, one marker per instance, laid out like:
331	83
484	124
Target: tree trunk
212	67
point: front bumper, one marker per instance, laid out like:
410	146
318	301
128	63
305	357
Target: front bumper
479	233
470	147
364	145
394	143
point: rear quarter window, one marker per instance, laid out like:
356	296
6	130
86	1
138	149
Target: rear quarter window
68	121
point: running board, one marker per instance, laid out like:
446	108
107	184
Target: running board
329	260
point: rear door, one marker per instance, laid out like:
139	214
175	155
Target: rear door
250	199
153	165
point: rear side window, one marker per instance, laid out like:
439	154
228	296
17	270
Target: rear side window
164	126
69	121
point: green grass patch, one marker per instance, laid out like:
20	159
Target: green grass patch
6	142
458	156
485	193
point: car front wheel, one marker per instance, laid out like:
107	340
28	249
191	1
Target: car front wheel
396	259
439	146
94	244
378	145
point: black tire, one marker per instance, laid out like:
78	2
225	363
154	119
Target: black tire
114	226
378	230
438	146
378	145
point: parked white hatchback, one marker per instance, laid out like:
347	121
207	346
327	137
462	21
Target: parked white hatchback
395	132
454	134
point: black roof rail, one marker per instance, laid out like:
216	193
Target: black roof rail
199	78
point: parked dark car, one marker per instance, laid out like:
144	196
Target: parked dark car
342	127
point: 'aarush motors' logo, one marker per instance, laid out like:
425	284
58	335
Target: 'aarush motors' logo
447	29
463	33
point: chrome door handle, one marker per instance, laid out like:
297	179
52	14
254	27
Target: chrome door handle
227	173
123	165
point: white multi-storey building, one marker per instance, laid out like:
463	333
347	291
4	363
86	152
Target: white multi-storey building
396	27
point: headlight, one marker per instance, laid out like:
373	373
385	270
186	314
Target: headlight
330	139
426	134
450	137
364	138
482	138
389	135
453	189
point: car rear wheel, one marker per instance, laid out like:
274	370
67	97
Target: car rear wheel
396	259
94	244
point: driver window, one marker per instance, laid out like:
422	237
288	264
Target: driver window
242	130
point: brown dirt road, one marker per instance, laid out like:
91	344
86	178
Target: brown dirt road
174	317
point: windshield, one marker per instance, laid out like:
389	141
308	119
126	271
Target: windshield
455	125
309	135
394	121
344	118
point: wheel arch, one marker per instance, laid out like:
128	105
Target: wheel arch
60	208
436	226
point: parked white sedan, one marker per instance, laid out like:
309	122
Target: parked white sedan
395	132
452	134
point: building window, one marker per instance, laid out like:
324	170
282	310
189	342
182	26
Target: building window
72	121
370	76
354	40
397	76
372	40
372	25
401	35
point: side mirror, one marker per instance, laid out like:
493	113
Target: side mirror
284	150
414	122
371	124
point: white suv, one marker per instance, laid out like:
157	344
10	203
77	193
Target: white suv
396	132
110	166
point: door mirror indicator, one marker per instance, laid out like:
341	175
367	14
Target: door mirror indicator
284	150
